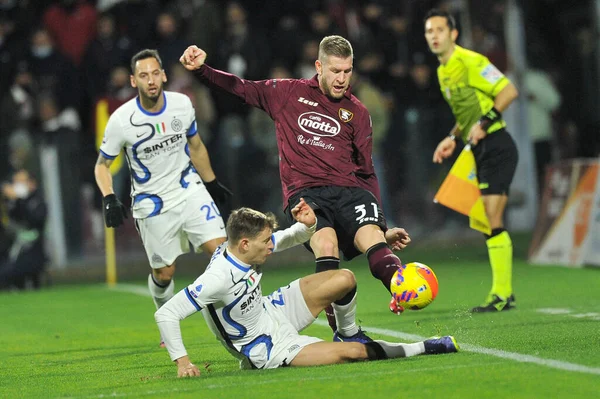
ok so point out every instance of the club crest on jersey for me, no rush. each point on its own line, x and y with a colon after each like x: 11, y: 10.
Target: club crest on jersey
x: 345, y: 115
x: 176, y: 125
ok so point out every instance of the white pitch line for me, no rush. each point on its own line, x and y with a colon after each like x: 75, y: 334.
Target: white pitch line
x: 556, y: 364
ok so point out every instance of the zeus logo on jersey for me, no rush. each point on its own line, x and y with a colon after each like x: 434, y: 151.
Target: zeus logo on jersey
x: 318, y: 124
x: 307, y: 102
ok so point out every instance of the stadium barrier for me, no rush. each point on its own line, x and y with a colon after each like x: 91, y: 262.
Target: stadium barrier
x: 567, y: 231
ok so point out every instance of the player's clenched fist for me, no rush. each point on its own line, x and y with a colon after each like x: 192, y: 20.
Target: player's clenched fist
x: 193, y: 58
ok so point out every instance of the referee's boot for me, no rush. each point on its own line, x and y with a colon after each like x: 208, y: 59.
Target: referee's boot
x: 496, y: 304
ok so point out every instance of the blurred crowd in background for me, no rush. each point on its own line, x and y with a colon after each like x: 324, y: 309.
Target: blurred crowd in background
x: 65, y: 67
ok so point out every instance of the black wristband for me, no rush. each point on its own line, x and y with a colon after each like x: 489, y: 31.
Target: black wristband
x: 211, y: 184
x: 487, y: 120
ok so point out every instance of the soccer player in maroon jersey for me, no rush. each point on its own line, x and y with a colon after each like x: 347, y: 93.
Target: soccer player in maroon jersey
x: 325, y: 140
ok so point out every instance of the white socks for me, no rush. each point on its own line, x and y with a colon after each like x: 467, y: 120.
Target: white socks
x: 160, y: 295
x: 393, y: 350
x: 345, y: 316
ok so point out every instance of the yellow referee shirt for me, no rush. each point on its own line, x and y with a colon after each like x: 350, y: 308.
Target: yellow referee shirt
x: 469, y: 82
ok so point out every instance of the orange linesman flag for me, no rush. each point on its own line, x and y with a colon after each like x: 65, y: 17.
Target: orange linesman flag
x: 460, y: 191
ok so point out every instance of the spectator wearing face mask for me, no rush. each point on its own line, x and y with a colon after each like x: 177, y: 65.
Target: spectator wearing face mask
x: 26, y: 214
x: 54, y: 74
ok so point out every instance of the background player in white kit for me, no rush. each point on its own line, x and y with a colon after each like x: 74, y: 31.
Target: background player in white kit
x: 262, y: 332
x: 168, y: 162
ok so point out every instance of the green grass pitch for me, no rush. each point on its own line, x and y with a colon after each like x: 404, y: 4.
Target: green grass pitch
x: 89, y: 341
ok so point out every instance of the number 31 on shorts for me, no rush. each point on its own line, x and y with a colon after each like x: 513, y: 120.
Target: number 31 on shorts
x: 362, y: 211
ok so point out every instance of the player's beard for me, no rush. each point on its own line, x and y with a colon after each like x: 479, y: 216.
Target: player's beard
x: 329, y: 90
x: 153, y: 97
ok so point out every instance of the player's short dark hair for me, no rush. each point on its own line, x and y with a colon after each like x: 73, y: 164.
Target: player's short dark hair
x: 248, y: 223
x: 336, y: 46
x: 142, y: 55
x: 439, y: 13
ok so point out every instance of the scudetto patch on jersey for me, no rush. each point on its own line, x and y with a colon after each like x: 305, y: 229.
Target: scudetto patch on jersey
x: 491, y: 74
x: 345, y: 115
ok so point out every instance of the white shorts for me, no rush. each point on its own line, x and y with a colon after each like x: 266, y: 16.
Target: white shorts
x: 168, y: 235
x: 288, y: 308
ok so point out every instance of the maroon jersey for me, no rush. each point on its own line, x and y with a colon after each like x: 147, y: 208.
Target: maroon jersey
x: 322, y: 141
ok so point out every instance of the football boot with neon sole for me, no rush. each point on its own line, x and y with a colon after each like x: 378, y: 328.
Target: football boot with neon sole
x: 436, y: 345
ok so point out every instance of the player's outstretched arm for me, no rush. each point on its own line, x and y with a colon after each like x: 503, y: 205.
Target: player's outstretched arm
x: 269, y: 95
x: 168, y: 319
x: 299, y: 232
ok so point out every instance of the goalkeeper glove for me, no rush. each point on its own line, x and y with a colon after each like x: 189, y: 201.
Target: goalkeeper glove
x: 219, y: 193
x: 114, y: 211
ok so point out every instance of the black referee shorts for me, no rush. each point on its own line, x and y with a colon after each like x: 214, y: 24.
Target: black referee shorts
x: 345, y: 209
x: 496, y: 157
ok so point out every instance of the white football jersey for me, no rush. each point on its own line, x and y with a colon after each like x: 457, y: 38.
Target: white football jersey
x: 155, y: 145
x: 230, y: 297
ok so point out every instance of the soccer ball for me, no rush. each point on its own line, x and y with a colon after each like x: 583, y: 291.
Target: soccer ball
x: 414, y: 286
